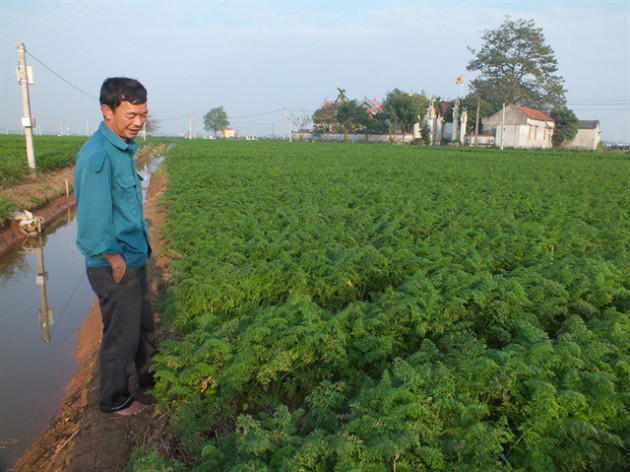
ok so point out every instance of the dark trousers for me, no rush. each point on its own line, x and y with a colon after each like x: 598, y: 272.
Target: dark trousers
x: 128, y: 328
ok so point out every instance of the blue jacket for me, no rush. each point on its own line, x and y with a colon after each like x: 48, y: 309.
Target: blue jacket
x: 108, y: 192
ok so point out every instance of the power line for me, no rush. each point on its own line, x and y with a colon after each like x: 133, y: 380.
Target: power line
x: 253, y: 116
x: 173, y: 118
x: 66, y: 81
x: 300, y: 109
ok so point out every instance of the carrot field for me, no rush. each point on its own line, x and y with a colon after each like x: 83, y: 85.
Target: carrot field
x: 347, y: 307
x: 51, y: 152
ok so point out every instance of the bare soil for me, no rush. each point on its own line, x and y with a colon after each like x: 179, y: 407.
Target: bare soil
x: 80, y: 437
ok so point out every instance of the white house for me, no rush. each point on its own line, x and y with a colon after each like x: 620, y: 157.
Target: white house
x: 523, y: 128
x: 587, y: 137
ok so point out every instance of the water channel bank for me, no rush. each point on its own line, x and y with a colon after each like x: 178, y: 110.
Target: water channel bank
x: 37, y: 383
x: 50, y: 190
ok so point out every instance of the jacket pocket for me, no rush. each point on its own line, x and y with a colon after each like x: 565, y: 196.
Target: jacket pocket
x: 125, y: 193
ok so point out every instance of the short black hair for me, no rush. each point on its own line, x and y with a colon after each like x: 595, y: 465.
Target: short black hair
x: 118, y: 89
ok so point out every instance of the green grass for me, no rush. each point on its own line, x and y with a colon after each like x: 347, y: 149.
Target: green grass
x: 351, y: 307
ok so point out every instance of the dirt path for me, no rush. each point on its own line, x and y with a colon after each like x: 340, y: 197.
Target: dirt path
x: 80, y: 438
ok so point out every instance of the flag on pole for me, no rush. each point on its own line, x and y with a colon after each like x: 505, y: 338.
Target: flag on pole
x: 459, y: 80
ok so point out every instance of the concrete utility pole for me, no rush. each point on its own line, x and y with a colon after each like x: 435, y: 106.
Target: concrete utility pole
x: 477, y: 122
x: 502, y: 125
x: 284, y: 125
x: 25, y: 76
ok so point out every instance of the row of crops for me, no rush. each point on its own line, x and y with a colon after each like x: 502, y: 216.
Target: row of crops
x: 341, y: 307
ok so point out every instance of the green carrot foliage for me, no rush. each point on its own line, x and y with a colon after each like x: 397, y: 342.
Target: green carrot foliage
x: 345, y: 307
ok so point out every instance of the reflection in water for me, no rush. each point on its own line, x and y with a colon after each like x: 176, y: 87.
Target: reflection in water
x: 45, y: 313
x: 36, y: 245
x: 32, y: 372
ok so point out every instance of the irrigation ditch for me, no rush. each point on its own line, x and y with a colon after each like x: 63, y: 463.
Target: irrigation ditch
x: 53, y: 355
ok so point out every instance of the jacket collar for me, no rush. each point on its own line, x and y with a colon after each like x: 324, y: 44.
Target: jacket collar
x: 117, y: 140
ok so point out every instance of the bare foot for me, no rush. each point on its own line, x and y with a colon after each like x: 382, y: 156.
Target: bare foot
x: 135, y: 408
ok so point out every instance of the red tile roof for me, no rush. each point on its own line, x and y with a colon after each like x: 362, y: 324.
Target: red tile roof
x: 535, y: 114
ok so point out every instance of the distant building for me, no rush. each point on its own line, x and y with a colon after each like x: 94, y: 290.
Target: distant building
x: 446, y: 122
x: 523, y: 128
x: 325, y: 118
x: 227, y: 133
x: 587, y: 137
x: 373, y: 107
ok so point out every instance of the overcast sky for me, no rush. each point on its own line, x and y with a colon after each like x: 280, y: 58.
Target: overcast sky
x: 257, y: 57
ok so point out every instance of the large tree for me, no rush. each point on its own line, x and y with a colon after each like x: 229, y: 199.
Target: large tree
x: 566, y: 126
x: 517, y: 66
x: 216, y: 120
x: 404, y: 109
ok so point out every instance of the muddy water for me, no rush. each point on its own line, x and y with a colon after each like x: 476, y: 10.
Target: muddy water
x: 44, y: 297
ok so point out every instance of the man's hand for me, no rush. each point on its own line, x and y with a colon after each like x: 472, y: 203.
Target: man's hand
x: 117, y: 264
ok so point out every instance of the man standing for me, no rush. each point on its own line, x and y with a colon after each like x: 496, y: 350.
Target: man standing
x: 113, y: 237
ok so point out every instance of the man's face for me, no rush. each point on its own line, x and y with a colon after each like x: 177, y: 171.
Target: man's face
x: 127, y: 120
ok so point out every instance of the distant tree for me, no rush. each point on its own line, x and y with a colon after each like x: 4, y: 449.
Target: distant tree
x: 152, y: 125
x: 352, y: 117
x: 517, y: 66
x: 347, y: 116
x: 425, y: 133
x: 377, y: 124
x: 325, y: 118
x: 341, y: 96
x: 566, y: 126
x: 216, y: 119
x: 404, y: 109
x: 302, y: 121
